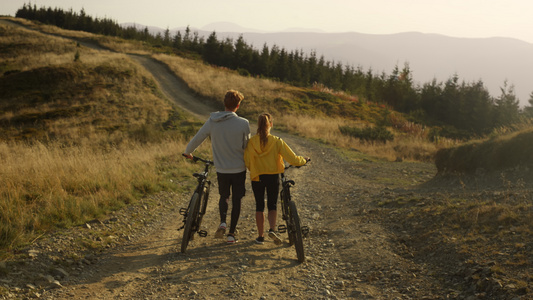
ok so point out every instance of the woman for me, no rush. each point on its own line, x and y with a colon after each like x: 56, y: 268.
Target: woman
x: 264, y: 156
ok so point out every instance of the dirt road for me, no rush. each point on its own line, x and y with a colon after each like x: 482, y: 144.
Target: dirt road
x: 349, y: 254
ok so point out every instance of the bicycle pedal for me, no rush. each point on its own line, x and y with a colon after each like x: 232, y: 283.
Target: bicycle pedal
x: 305, y: 231
x: 202, y: 233
x: 282, y: 228
x: 183, y: 211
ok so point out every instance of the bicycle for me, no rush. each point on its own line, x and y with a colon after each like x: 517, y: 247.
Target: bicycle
x: 193, y: 214
x: 289, y: 212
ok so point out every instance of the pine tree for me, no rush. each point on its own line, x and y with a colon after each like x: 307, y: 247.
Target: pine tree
x: 187, y: 41
x: 166, y: 37
x: 211, y: 47
x: 241, y: 54
x: 177, y: 41
x: 264, y: 61
x: 528, y: 110
x: 507, y: 108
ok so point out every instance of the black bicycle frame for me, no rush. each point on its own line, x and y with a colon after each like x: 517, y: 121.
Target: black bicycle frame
x: 202, y: 189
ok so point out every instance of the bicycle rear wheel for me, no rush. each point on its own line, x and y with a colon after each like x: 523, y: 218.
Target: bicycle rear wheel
x: 192, y: 215
x: 296, y: 231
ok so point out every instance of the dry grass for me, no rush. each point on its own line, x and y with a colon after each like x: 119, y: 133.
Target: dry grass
x: 77, y: 139
x: 49, y: 28
x: 260, y: 95
x: 50, y: 185
x: 123, y: 46
x: 28, y: 50
x: 479, y: 226
x: 404, y: 147
x: 57, y: 97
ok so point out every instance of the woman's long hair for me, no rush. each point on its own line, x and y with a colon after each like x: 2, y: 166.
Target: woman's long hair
x: 264, y: 122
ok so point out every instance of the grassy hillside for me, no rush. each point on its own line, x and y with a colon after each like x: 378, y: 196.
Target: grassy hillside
x: 81, y: 133
x: 316, y: 112
x: 54, y: 89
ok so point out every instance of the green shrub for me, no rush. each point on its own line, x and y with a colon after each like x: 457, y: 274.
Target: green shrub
x: 368, y: 134
x: 243, y: 72
x: 492, y: 154
x: 448, y: 132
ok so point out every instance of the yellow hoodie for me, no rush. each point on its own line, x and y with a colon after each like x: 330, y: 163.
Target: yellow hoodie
x: 270, y: 159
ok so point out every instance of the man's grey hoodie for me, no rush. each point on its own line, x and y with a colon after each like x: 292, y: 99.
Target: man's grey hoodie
x: 229, y: 135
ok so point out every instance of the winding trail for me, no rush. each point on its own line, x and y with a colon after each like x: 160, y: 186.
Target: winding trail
x: 173, y: 87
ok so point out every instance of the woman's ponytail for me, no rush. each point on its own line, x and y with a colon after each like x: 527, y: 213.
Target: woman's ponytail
x: 264, y: 122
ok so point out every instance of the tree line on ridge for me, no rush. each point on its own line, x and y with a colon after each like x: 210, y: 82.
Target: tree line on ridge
x: 460, y: 109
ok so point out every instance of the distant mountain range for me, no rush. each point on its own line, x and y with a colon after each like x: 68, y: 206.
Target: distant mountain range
x: 493, y: 60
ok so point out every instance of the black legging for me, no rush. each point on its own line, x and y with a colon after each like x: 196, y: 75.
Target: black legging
x: 270, y: 183
x: 231, y: 184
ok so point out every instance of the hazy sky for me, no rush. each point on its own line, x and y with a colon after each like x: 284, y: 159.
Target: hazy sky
x: 457, y: 18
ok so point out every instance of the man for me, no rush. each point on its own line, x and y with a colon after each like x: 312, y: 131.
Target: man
x: 229, y: 135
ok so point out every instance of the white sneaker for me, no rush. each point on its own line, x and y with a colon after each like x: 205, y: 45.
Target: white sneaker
x: 231, y: 239
x: 274, y: 236
x: 220, y: 231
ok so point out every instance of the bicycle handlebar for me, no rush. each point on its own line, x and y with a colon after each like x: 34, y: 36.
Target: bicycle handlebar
x: 196, y: 158
x: 291, y: 166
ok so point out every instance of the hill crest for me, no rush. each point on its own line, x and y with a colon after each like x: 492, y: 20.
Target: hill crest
x: 430, y: 56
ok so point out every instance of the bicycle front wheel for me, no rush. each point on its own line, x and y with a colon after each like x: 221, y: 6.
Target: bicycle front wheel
x: 202, y: 206
x: 296, y: 232
x: 285, y: 199
x: 192, y: 215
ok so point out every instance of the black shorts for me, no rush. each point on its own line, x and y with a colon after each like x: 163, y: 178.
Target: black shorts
x: 231, y: 184
x: 270, y: 184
